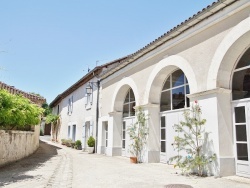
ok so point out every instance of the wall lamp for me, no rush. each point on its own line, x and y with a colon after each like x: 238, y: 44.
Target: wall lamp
x: 89, y: 87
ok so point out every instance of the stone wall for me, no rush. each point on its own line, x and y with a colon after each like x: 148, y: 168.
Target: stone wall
x: 15, y: 145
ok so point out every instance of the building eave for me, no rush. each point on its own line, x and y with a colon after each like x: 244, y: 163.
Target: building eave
x: 173, y: 33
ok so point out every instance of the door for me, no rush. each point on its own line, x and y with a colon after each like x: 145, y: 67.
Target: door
x: 241, y: 136
x: 74, y: 133
x: 167, y: 134
x: 69, y: 132
x: 125, y: 139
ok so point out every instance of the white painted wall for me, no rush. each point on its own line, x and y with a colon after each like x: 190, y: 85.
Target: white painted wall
x: 80, y: 114
x: 202, y: 53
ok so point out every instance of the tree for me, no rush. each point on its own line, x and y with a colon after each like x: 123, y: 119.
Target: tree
x: 47, y: 109
x: 17, y: 112
x: 55, y: 125
x: 138, y: 133
x: 190, y: 139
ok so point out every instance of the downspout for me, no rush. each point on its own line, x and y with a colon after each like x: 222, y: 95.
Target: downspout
x: 97, y: 113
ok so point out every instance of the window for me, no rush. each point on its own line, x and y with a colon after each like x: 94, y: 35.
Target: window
x: 106, y: 135
x: 241, y: 78
x: 163, y: 134
x: 174, y: 92
x: 129, y: 103
x: 124, y: 135
x: 70, y: 105
x: 241, y: 133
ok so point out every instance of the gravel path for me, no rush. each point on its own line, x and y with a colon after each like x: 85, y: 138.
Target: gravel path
x: 42, y: 169
x: 53, y: 165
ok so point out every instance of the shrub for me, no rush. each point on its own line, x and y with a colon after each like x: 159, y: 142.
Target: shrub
x: 191, y: 140
x: 138, y: 133
x: 17, y: 112
x: 91, y: 141
x: 63, y: 141
x: 78, y: 143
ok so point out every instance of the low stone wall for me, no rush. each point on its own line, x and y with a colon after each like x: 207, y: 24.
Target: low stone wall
x: 15, y: 145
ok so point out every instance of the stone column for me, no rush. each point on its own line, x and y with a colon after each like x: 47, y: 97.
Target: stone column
x: 152, y: 154
x: 216, y: 109
x: 114, y: 134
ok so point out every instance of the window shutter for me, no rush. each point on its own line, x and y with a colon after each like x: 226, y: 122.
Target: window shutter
x: 91, y: 98
x: 91, y: 128
x: 83, y: 135
x: 71, y: 105
x: 86, y: 99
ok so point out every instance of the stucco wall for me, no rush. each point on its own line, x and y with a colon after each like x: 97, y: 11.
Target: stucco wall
x: 80, y: 112
x: 15, y: 145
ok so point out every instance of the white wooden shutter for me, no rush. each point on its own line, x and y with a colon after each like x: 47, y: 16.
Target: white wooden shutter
x: 83, y: 135
x: 86, y: 100
x: 91, y: 128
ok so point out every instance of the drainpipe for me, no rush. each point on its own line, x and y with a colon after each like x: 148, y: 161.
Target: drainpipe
x: 97, y: 113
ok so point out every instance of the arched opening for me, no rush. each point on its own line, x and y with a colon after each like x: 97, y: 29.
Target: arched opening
x: 241, y: 116
x: 172, y: 103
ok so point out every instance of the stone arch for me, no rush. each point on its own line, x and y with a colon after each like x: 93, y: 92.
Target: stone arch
x: 160, y: 73
x: 227, y: 54
x: 120, y: 94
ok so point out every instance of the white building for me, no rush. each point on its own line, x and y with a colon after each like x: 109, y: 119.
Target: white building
x: 78, y: 109
x: 205, y: 58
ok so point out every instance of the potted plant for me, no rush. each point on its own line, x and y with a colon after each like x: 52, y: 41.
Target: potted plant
x: 73, y: 144
x: 68, y: 143
x: 91, y: 144
x: 138, y: 133
x: 63, y: 141
x: 78, y: 144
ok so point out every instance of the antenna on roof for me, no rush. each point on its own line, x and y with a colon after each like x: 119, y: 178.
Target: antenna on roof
x: 96, y: 62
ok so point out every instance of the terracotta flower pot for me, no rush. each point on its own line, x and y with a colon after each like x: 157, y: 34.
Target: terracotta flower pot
x: 133, y: 159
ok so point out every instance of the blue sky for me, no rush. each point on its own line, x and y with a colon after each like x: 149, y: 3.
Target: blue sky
x: 47, y: 45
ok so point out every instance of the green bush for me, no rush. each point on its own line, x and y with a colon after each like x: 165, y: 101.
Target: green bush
x: 17, y: 112
x: 78, y: 143
x: 91, y: 141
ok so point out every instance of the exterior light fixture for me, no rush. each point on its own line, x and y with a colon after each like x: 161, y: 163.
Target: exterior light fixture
x: 89, y: 89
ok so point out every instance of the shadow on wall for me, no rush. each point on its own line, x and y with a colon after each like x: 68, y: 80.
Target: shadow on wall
x: 17, y: 171
x: 208, y: 146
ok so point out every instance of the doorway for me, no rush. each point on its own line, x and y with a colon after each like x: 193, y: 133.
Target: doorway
x: 241, y: 120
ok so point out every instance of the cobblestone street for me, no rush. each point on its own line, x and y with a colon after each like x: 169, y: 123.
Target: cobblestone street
x: 54, y: 165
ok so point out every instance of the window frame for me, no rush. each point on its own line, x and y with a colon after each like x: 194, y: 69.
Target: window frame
x: 171, y: 88
x: 129, y: 103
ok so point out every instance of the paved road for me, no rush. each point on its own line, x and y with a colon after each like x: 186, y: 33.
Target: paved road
x: 57, y: 166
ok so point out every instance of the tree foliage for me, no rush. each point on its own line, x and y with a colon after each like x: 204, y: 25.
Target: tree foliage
x: 138, y: 133
x: 17, y: 112
x: 51, y: 118
x: 190, y: 139
x: 47, y: 109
